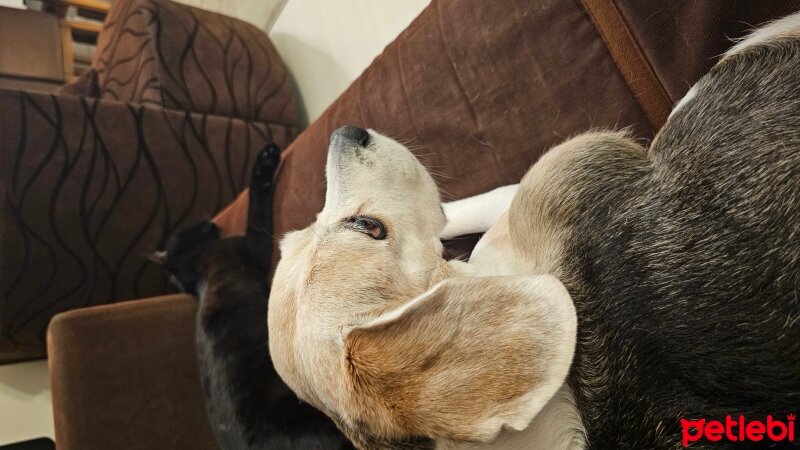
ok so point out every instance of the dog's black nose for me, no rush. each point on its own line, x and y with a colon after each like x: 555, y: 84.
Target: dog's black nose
x: 351, y: 134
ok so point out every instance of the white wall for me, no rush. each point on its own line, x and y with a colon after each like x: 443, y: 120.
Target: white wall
x: 327, y: 43
x: 25, y: 409
x: 256, y: 12
x: 12, y: 3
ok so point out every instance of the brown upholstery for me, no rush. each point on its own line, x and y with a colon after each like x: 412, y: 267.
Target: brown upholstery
x: 163, y: 53
x: 479, y: 89
x: 480, y: 102
x: 153, y: 402
x: 630, y: 60
x: 31, y: 56
x: 683, y: 39
x: 89, y: 187
x: 86, y: 85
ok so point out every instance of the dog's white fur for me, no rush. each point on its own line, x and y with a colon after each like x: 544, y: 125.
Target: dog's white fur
x: 558, y: 426
x: 477, y: 214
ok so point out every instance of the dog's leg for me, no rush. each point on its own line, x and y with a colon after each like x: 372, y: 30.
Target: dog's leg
x: 476, y: 214
x: 258, y: 238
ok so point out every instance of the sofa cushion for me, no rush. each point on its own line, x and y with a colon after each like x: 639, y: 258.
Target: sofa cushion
x: 31, y: 46
x: 164, y: 53
x: 89, y: 187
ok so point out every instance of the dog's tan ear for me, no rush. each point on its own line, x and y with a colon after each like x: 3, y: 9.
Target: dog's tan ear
x: 465, y: 359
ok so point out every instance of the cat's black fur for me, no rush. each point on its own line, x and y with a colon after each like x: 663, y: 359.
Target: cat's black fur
x: 248, y: 405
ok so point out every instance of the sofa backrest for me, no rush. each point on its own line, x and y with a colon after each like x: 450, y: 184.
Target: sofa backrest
x: 168, y: 54
x: 479, y: 90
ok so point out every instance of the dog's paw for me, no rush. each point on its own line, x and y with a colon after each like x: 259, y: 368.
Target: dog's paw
x: 264, y: 168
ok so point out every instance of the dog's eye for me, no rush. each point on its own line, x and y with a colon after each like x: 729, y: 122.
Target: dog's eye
x: 367, y: 225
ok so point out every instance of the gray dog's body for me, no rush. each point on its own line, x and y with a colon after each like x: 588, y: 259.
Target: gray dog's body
x: 685, y: 267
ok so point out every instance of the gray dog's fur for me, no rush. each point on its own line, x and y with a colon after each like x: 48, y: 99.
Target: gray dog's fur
x: 685, y: 267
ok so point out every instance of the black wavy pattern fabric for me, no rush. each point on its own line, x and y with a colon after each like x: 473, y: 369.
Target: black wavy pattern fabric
x: 89, y: 187
x: 167, y: 54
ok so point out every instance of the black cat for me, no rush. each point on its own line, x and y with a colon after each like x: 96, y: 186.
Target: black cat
x: 248, y: 404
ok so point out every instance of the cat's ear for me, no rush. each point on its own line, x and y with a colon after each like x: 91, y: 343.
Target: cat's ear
x: 159, y: 257
x: 467, y: 358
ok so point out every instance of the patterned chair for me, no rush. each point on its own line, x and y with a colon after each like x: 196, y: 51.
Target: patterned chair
x: 160, y: 134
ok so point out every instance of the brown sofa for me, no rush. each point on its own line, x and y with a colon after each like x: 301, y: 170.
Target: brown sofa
x: 480, y: 90
x: 31, y: 53
x: 160, y: 134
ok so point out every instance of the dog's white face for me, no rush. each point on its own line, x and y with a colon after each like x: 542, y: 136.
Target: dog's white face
x: 362, y: 326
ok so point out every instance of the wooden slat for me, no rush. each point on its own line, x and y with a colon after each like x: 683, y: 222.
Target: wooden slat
x: 85, y: 32
x: 93, y: 5
x: 86, y: 27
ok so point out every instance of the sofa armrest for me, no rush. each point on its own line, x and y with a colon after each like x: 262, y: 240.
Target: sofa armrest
x: 124, y: 376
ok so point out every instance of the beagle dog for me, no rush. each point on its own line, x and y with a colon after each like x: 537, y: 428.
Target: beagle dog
x: 617, y: 291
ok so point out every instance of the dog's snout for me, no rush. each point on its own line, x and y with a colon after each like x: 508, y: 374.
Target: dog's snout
x: 351, y: 135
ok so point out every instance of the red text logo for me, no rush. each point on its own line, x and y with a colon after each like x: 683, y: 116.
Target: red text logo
x: 738, y: 429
